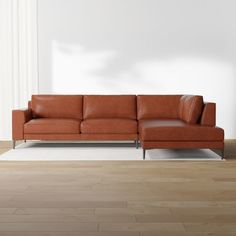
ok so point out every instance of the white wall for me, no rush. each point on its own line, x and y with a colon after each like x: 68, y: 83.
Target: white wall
x: 141, y: 46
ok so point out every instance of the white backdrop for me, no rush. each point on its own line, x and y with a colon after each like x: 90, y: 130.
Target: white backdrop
x: 141, y: 46
x: 118, y: 46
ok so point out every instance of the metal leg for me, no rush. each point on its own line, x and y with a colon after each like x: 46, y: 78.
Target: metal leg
x: 144, y: 153
x: 13, y: 144
x: 25, y: 140
x: 222, y: 154
x: 136, y: 144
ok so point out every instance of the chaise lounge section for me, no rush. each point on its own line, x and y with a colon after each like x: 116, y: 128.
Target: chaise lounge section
x: 178, y: 122
x: 157, y: 121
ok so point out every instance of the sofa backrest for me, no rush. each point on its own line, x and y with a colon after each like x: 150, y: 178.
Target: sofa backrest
x: 109, y: 106
x: 190, y: 108
x: 57, y: 106
x: 158, y: 106
x: 186, y: 107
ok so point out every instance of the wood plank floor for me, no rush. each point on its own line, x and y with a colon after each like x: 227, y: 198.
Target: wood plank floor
x: 101, y: 198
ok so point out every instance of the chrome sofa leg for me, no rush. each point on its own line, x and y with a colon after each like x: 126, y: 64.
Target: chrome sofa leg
x: 144, y: 154
x: 13, y: 144
x: 136, y: 144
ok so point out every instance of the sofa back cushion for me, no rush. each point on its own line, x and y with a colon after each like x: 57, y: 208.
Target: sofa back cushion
x: 57, y: 106
x: 109, y: 106
x: 190, y: 108
x: 158, y: 106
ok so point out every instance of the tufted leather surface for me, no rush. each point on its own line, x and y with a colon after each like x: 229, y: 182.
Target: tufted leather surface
x: 158, y: 106
x: 177, y: 130
x: 109, y: 106
x: 109, y: 126
x: 52, y: 126
x: 57, y: 106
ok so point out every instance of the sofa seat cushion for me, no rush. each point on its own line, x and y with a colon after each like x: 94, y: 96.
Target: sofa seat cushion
x: 177, y: 130
x: 109, y: 126
x: 52, y: 126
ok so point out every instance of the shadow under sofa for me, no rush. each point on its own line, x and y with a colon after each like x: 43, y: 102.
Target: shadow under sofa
x: 156, y: 121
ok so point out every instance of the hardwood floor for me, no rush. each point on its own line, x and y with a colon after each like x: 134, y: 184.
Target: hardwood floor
x: 101, y: 198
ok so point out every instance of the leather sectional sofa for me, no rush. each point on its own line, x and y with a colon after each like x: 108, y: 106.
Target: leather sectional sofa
x: 157, y: 121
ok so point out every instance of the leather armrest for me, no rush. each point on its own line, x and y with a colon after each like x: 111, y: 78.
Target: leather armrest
x: 209, y: 114
x: 19, y: 118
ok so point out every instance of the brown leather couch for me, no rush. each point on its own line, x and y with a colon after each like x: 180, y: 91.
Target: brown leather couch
x: 157, y: 121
